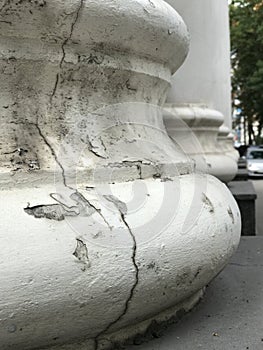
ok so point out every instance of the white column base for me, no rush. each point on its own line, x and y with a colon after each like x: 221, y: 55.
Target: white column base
x: 194, y: 128
x: 104, y: 222
x: 226, y: 142
x: 80, y: 278
x: 153, y: 324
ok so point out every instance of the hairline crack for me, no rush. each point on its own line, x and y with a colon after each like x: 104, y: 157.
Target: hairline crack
x: 63, y: 46
x: 64, y: 176
x: 131, y: 294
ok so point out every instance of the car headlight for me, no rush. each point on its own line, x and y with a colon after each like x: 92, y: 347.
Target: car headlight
x: 250, y: 166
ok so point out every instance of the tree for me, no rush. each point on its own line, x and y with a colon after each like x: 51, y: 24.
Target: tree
x: 246, y: 23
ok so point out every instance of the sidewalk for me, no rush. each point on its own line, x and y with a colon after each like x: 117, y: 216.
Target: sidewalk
x: 231, y: 314
x: 258, y: 184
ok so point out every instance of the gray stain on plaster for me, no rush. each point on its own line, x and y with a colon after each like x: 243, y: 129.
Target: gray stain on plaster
x: 230, y: 213
x: 22, y: 159
x: 12, y: 328
x: 208, y: 203
x: 81, y: 253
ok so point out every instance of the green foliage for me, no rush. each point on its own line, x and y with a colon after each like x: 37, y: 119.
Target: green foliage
x: 246, y: 22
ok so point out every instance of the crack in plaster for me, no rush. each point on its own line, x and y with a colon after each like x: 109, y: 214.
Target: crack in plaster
x: 55, y: 87
x: 122, y: 208
x: 138, y: 164
x: 51, y: 150
x: 95, y: 208
x: 129, y: 163
x: 71, y: 33
x: 91, y: 148
x: 76, y: 192
x: 63, y: 46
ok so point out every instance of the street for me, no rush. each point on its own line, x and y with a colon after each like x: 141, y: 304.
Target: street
x: 258, y: 184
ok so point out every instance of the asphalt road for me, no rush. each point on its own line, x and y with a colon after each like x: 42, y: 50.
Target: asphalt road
x: 258, y: 184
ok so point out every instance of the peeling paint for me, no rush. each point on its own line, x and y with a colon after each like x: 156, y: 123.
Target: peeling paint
x: 60, y: 211
x: 81, y: 253
x: 52, y: 212
x: 93, y: 150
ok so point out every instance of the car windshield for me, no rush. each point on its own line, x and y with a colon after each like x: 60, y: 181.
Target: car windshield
x: 255, y: 155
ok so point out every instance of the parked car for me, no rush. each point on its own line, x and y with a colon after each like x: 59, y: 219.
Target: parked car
x: 255, y: 161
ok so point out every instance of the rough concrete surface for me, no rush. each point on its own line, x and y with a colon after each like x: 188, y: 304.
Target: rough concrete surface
x: 231, y: 313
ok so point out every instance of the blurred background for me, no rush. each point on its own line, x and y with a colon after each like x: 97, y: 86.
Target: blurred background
x: 246, y: 28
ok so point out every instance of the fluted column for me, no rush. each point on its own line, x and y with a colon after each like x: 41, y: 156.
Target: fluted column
x: 205, y: 79
x: 104, y: 221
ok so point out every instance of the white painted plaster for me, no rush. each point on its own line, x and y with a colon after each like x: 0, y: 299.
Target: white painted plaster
x: 103, y: 220
x: 205, y: 76
x: 226, y: 142
x: 204, y: 79
x: 195, y: 129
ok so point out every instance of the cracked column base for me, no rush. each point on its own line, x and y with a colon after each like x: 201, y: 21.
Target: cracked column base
x: 64, y: 281
x: 148, y: 329
x: 104, y: 222
x: 141, y: 332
